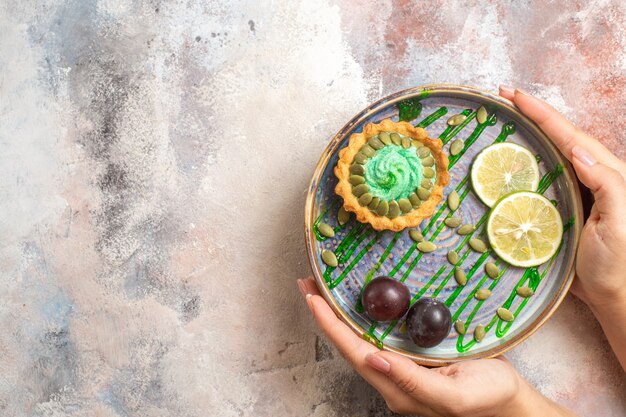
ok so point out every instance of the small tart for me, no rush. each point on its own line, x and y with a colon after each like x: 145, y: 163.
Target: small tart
x: 386, y: 177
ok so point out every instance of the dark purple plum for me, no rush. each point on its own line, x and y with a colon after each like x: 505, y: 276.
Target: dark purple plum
x: 385, y: 299
x: 428, y: 322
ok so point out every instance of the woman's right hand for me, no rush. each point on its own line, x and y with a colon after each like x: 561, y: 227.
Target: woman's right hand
x: 601, y: 259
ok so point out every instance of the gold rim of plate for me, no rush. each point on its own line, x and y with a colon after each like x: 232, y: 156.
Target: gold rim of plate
x: 475, y: 95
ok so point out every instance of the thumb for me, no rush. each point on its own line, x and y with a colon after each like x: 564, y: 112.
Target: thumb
x: 606, y: 184
x: 427, y: 386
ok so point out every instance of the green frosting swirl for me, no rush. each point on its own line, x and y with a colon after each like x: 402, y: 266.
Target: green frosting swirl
x: 393, y: 173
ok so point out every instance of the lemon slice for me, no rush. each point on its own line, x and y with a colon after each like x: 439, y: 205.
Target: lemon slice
x: 504, y: 168
x: 525, y: 229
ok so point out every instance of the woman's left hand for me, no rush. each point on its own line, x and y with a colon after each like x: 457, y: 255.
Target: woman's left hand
x: 486, y: 387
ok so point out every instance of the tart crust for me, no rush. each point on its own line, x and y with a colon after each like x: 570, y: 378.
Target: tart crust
x: 415, y: 216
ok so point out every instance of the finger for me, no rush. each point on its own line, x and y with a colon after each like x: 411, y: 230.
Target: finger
x: 503, y: 359
x: 507, y: 92
x: 355, y: 349
x: 607, y: 185
x: 562, y: 133
x: 307, y: 286
x: 430, y: 388
x: 349, y: 344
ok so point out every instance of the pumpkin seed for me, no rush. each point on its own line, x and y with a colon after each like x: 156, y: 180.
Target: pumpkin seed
x: 457, y: 119
x: 405, y: 205
x: 478, y: 245
x: 343, y: 216
x: 426, y: 246
x: 492, y: 270
x: 479, y: 333
x: 481, y: 115
x: 394, y: 209
x: 384, y: 138
x: 505, y: 314
x: 453, y: 257
x: 365, y: 199
x: 453, y: 201
x: 459, y: 326
x: 376, y: 143
x: 466, y: 229
x: 460, y: 276
x: 357, y: 169
x: 396, y: 139
x: 426, y: 183
x: 329, y: 258
x: 423, y: 152
x: 524, y: 292
x: 423, y: 194
x: 325, y: 230
x: 402, y: 328
x: 429, y: 172
x: 360, y: 158
x: 416, y: 235
x: 415, y: 200
x: 429, y: 161
x: 456, y: 147
x: 453, y: 221
x: 360, y: 189
x: 416, y: 143
x: 356, y: 179
x: 406, y: 143
x: 383, y: 208
x: 482, y: 294
x: 374, y: 204
x: 368, y: 151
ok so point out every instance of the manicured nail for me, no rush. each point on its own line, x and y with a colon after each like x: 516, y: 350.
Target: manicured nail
x: 378, y: 363
x: 506, y: 89
x: 520, y: 91
x: 583, y: 156
x: 309, y: 302
x: 302, y: 287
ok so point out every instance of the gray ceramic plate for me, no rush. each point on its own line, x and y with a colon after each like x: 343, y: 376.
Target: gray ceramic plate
x: 364, y: 253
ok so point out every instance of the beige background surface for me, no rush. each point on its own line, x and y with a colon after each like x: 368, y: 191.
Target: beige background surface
x: 154, y: 162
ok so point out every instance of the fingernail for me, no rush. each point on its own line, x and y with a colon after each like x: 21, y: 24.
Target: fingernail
x: 519, y: 90
x: 378, y: 363
x: 583, y: 156
x: 309, y: 302
x: 302, y: 287
x: 506, y: 89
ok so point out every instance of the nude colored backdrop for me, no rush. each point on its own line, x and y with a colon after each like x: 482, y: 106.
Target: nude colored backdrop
x: 154, y: 157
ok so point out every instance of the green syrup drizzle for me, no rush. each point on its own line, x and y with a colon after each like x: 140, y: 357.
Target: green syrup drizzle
x: 409, y: 109
x: 433, y: 117
x: 349, y: 239
x: 356, y: 259
x: 451, y: 131
x: 547, y: 179
x: 332, y: 207
x: 371, y: 272
x: 353, y: 245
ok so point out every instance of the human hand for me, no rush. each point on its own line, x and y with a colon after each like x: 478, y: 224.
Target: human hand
x: 601, y: 257
x: 486, y: 387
